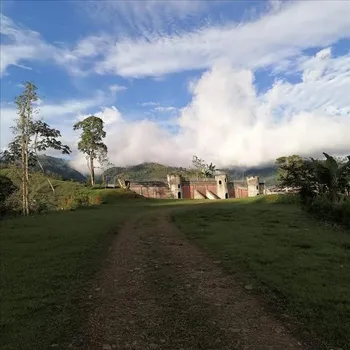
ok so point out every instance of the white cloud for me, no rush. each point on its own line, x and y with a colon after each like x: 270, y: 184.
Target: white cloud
x: 267, y: 40
x: 25, y: 45
x: 165, y: 109
x: 145, y: 15
x: 227, y: 122
x: 60, y: 115
x: 271, y: 39
x: 20, y: 45
x: 150, y: 103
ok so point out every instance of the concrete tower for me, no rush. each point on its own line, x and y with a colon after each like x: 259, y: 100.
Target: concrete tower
x: 221, y: 186
x: 253, y: 186
x: 175, y: 185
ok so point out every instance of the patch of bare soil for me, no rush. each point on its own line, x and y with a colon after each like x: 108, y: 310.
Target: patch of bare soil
x: 158, y: 291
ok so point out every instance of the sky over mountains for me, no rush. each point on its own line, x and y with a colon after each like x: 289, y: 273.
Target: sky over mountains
x: 236, y: 83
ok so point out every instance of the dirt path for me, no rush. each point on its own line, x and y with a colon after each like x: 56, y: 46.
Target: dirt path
x: 158, y: 291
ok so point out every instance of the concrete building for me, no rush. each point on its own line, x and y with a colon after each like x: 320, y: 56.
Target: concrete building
x: 218, y: 187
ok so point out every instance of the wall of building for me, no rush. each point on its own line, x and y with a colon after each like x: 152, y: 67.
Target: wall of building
x: 151, y: 190
x: 222, y: 186
x: 253, y: 186
x: 177, y: 187
x: 189, y: 187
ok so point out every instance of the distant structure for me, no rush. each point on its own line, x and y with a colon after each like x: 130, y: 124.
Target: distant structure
x: 218, y: 187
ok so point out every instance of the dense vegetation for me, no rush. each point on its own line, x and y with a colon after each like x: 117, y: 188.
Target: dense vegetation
x: 67, y: 195
x: 323, y: 185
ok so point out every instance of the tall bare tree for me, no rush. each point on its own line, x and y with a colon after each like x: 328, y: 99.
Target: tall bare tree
x: 26, y: 111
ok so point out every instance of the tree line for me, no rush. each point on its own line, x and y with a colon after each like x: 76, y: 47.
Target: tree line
x: 33, y: 135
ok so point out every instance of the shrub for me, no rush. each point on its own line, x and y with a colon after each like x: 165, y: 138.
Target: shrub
x: 7, y: 187
x: 323, y: 208
x: 95, y: 199
x: 80, y: 198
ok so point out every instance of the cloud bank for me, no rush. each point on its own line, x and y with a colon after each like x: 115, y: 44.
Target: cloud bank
x: 227, y: 122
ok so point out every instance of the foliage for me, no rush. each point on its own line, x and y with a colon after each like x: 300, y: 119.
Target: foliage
x: 7, y: 187
x: 91, y: 142
x: 333, y: 179
x: 203, y: 169
x: 30, y: 137
x: 323, y: 185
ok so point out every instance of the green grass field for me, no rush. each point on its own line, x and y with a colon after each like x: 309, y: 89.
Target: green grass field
x: 47, y: 260
x: 300, y: 264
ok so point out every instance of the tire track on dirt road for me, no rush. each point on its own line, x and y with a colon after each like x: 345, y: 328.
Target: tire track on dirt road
x: 159, y: 291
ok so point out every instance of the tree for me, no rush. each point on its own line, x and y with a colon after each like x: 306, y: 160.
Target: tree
x: 31, y: 136
x: 333, y: 177
x: 202, y: 169
x: 329, y: 178
x: 297, y: 173
x: 91, y: 142
x: 105, y: 164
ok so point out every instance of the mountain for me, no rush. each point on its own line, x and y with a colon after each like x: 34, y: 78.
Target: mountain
x: 158, y: 172
x: 58, y: 166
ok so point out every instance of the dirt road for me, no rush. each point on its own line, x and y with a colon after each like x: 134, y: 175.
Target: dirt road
x: 159, y: 291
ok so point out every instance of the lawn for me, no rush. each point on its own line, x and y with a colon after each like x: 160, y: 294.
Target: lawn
x: 302, y: 265
x: 46, y: 261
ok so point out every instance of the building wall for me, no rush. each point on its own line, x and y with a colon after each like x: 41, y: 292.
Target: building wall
x: 253, y: 186
x: 176, y: 184
x: 151, y: 191
x: 222, y: 186
x: 188, y: 188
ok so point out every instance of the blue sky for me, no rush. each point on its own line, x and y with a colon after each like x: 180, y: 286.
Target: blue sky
x: 234, y: 82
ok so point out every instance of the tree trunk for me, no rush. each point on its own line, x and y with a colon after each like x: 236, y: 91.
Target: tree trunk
x: 92, y: 171
x: 23, y: 176
x: 40, y: 165
x: 26, y: 171
x: 24, y: 165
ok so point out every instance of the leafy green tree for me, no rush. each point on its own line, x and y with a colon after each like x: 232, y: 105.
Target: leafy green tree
x: 91, y: 143
x: 30, y: 137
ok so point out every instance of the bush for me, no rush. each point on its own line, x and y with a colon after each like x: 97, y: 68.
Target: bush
x: 7, y: 187
x: 81, y: 198
x: 95, y: 199
x: 338, y: 212
x: 8, y: 194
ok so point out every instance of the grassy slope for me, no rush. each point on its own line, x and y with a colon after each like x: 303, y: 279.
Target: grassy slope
x: 304, y: 263
x: 45, y: 261
x: 40, y: 185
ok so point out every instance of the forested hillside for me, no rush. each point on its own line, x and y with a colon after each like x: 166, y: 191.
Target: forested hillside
x: 155, y: 171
